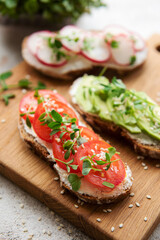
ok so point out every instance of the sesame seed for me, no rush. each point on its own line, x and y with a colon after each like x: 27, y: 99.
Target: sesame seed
x: 0, y: 197
x: 57, y: 219
x: 130, y: 206
x: 49, y: 233
x: 112, y: 229
x: 98, y: 220
x: 137, y: 204
x: 140, y: 157
x: 52, y: 213
x: 24, y: 90
x: 23, y: 222
x: 146, y: 168
x: 109, y: 210
x: 21, y: 205
x: 157, y: 165
x: 82, y: 203
x: 61, y: 225
x: 145, y: 219
x: 76, y: 206
x: 44, y: 231
x: 131, y: 194
x: 29, y: 238
x: 39, y: 219
x: 62, y: 192
x: 105, y: 210
x: 121, y: 225
x: 148, y: 197
x: 143, y: 164
x: 3, y: 120
x: 55, y: 91
x: 31, y: 235
x: 25, y: 230
x: 78, y: 201
x: 59, y: 228
x: 56, y: 178
x: 69, y: 231
x: 27, y: 76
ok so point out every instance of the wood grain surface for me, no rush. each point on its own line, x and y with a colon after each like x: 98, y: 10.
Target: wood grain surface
x: 23, y: 167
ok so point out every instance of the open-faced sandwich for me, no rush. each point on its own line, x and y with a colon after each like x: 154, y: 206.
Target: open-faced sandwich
x: 87, y: 166
x: 73, y: 51
x: 111, y: 106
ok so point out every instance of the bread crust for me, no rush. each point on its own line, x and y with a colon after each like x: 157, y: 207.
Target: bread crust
x: 101, y: 125
x: 44, y: 154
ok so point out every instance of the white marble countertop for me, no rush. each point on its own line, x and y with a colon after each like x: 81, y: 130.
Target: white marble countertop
x: 20, y: 214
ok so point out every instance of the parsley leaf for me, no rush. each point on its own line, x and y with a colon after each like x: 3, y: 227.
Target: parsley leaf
x: 6, y: 98
x: 75, y: 181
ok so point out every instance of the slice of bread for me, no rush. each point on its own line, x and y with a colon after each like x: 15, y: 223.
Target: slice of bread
x: 148, y: 150
x: 93, y: 194
x: 77, y: 66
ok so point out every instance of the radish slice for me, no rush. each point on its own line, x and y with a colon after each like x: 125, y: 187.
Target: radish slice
x: 122, y: 50
x: 46, y: 56
x: 138, y: 42
x: 114, y: 30
x: 94, y: 48
x: 35, y: 40
x: 70, y: 37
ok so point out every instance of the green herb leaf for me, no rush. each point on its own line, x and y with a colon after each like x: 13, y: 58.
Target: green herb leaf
x: 118, y: 83
x: 72, y: 135
x: 24, y: 83
x: 5, y: 75
x: 56, y: 116
x: 42, y: 116
x: 75, y: 181
x: 54, y: 131
x: 6, y: 98
x: 54, y: 125
x: 28, y: 122
x: 74, y: 167
x: 40, y: 85
x: 114, y: 44
x: 22, y: 114
x: 132, y: 60
x: 100, y: 162
x: 86, y: 167
x: 67, y: 144
x: 67, y: 154
x: 61, y: 135
x: 68, y: 168
x: 107, y: 184
x: 36, y: 93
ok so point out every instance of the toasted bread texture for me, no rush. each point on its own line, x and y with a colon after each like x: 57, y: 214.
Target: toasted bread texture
x: 97, y: 197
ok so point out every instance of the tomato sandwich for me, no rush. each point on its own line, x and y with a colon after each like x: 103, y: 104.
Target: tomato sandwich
x: 87, y: 165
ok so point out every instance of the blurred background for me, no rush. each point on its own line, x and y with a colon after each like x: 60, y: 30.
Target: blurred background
x: 18, y: 210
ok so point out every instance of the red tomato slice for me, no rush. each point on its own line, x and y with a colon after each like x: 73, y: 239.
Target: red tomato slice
x: 115, y: 174
x: 29, y: 102
x: 59, y: 152
x: 88, y: 134
x: 44, y: 131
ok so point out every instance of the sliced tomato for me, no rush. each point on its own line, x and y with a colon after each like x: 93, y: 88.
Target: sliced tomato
x: 59, y: 152
x: 88, y: 134
x: 44, y: 131
x: 29, y: 103
x: 115, y: 174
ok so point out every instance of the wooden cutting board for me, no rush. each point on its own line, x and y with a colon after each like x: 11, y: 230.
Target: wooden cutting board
x: 28, y: 171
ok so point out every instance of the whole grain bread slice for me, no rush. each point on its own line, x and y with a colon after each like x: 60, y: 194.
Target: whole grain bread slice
x: 70, y: 75
x: 96, y: 122
x: 40, y: 150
